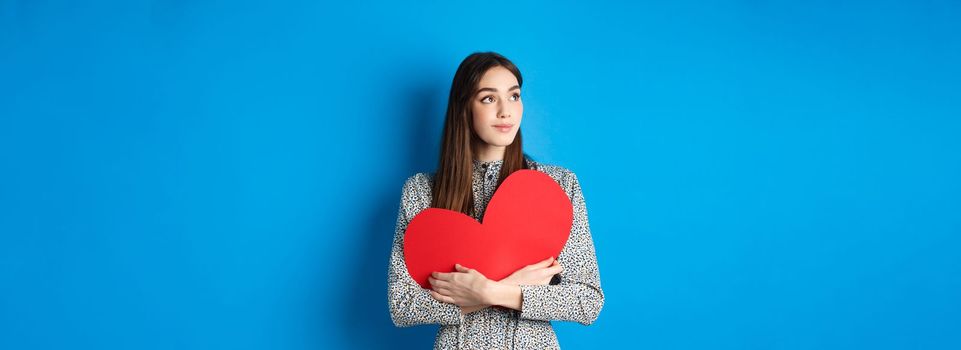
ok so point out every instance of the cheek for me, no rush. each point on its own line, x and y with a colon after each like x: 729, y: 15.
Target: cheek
x: 479, y: 118
x: 482, y: 113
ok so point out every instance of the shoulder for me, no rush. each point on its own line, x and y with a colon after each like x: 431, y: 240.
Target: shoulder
x: 564, y: 176
x: 418, y: 184
x: 418, y: 181
x: 417, y: 188
x: 416, y: 194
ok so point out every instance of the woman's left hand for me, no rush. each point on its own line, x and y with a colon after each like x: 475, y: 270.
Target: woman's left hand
x: 466, y: 287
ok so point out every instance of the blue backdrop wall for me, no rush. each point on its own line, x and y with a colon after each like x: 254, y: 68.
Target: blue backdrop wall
x: 226, y: 175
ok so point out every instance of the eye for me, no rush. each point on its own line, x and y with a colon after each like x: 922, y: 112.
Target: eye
x: 487, y: 99
x: 515, y: 97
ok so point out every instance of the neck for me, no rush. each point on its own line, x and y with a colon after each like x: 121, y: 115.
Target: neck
x: 487, y: 153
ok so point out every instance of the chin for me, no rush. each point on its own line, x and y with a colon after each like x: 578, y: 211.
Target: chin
x: 505, y: 142
x: 499, y: 140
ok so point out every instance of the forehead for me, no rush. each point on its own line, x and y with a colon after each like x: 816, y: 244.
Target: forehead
x: 499, y: 78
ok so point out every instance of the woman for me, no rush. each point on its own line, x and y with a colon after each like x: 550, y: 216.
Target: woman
x: 481, y: 146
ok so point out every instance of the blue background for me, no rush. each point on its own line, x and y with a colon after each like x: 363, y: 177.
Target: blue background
x: 226, y: 175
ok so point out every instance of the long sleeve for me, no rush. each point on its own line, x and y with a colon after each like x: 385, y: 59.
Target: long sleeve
x: 409, y: 303
x: 578, y: 297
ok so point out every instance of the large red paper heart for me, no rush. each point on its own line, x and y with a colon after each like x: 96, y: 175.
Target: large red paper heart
x: 527, y: 220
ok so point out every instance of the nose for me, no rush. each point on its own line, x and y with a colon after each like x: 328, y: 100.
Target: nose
x: 502, y: 111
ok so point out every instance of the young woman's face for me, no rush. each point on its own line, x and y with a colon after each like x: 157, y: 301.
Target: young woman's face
x: 497, y: 107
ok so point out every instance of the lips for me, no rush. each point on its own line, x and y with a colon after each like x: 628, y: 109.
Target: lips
x: 503, y: 127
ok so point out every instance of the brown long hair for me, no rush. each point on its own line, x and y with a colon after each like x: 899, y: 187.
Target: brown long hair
x: 452, y: 182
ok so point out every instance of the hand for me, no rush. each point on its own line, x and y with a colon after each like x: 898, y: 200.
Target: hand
x: 466, y: 287
x: 539, y: 273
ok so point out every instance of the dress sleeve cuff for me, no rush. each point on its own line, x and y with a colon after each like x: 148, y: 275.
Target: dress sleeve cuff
x: 533, y: 302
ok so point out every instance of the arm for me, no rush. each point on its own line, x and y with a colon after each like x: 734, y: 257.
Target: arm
x: 578, y: 297
x: 507, y: 292
x: 472, y: 291
x: 410, y: 304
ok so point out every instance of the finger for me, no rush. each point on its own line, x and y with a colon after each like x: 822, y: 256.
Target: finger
x: 462, y: 268
x: 444, y: 291
x: 442, y: 276
x: 438, y: 283
x: 442, y: 298
x: 471, y: 272
x: 553, y: 270
x: 542, y: 264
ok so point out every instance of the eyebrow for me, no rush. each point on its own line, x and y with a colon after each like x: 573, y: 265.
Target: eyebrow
x: 495, y: 90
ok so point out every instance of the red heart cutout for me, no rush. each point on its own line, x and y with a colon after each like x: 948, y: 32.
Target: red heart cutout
x: 528, y: 219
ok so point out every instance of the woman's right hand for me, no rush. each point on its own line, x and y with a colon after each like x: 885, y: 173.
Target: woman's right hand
x: 539, y: 273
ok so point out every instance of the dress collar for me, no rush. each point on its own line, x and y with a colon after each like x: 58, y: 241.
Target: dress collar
x: 483, y: 166
x: 499, y: 161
